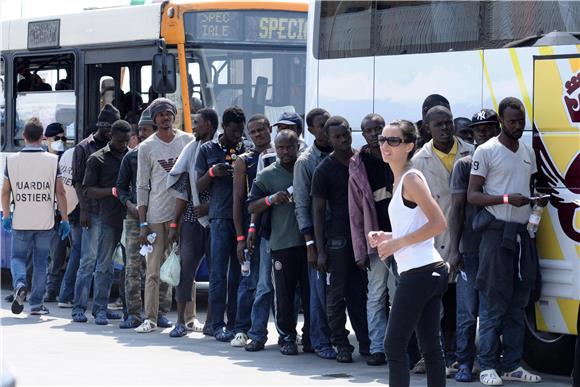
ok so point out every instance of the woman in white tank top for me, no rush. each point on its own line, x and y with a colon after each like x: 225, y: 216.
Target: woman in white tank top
x: 416, y: 219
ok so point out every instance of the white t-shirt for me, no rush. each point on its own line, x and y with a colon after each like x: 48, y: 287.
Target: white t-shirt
x: 505, y: 172
x: 65, y: 166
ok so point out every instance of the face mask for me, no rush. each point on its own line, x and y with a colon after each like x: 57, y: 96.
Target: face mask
x: 57, y: 146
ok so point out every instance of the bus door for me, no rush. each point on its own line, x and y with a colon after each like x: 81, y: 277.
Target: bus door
x: 556, y: 118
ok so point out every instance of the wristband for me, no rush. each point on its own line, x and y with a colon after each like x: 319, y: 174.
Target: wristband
x: 144, y: 224
x: 172, y: 225
x: 268, y: 200
x: 310, y: 243
x: 240, y: 238
x: 251, y: 229
x: 506, y: 199
x: 114, y: 191
x: 211, y: 172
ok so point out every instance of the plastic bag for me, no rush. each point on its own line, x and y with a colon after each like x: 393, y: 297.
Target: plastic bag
x: 170, y: 271
x: 119, y: 257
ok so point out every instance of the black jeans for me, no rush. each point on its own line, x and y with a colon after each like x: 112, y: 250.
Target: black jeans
x: 417, y: 306
x: 291, y: 270
x: 194, y: 243
x: 346, y: 291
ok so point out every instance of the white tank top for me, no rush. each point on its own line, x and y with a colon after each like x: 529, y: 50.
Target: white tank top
x: 405, y: 220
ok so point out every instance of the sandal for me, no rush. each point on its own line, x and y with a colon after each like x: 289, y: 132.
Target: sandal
x: 178, y: 331
x: 521, y: 375
x: 194, y: 325
x: 327, y: 354
x: 464, y: 374
x: 490, y: 378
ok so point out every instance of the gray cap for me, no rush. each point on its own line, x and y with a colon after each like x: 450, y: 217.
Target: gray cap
x: 146, y: 118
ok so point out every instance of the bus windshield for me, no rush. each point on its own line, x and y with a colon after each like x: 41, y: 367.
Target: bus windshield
x: 261, y: 81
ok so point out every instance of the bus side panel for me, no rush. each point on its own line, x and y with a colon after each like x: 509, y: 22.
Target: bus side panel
x: 557, y: 145
x: 402, y: 82
x: 311, y: 100
x: 346, y: 89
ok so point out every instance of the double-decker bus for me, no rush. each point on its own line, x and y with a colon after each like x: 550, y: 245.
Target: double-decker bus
x: 204, y: 53
x: 387, y: 56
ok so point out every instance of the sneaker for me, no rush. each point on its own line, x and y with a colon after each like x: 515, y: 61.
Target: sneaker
x: 490, y: 378
x: 377, y: 359
x: 419, y: 367
x: 39, y: 311
x: 101, y: 318
x: 521, y: 375
x: 130, y: 322
x: 146, y: 327
x: 79, y: 317
x: 344, y: 356
x: 18, y: 299
x: 163, y: 322
x: 116, y: 305
x: 114, y: 315
x: 240, y: 340
x: 194, y: 326
x: 179, y: 331
x: 224, y: 335
x: 65, y: 305
x: 289, y: 348
x: 254, y: 346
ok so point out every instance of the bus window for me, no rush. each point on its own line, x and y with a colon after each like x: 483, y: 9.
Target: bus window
x: 2, y: 105
x: 194, y: 83
x: 145, y: 83
x: 45, y: 89
x: 345, y: 29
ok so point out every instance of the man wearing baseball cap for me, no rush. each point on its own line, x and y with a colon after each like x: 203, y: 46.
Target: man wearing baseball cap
x: 464, y: 256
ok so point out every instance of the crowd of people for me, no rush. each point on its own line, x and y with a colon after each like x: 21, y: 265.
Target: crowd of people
x: 286, y: 228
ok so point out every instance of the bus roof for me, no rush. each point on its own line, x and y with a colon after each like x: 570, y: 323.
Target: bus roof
x: 93, y: 27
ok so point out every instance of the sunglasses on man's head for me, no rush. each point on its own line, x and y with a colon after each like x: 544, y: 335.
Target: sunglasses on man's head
x: 392, y: 141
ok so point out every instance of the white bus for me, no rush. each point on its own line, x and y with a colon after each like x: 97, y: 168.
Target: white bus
x: 387, y: 56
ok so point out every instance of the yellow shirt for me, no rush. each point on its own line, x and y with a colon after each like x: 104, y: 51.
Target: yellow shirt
x: 447, y: 158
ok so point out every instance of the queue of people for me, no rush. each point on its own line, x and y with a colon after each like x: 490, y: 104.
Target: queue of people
x: 287, y: 228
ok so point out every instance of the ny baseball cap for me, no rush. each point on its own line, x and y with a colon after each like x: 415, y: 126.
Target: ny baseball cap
x: 289, y: 118
x: 484, y: 116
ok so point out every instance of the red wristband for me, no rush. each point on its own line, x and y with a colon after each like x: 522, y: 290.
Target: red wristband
x: 114, y: 191
x: 251, y: 229
x: 211, y: 172
x: 506, y: 199
x: 240, y: 238
x: 172, y: 225
x: 268, y: 202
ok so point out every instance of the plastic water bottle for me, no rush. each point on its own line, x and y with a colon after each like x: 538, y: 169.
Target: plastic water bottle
x: 246, y: 270
x: 534, y: 220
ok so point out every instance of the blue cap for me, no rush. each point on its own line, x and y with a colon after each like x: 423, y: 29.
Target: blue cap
x: 290, y: 118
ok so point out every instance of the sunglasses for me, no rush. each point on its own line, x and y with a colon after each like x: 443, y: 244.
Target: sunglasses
x: 392, y: 141
x: 56, y: 138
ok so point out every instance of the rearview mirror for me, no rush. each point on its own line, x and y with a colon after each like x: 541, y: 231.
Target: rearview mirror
x: 163, y: 77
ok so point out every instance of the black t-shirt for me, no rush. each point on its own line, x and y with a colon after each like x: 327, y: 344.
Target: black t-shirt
x: 381, y: 181
x: 330, y: 182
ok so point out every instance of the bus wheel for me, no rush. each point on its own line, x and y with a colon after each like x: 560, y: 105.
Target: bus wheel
x: 552, y: 353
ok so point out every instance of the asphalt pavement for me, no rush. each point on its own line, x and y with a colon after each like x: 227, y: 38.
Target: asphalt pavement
x: 52, y: 350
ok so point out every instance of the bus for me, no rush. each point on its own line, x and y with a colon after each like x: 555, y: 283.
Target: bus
x: 387, y: 56
x: 199, y: 54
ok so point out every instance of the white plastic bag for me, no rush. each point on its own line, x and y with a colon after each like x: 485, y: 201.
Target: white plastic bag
x: 171, y: 269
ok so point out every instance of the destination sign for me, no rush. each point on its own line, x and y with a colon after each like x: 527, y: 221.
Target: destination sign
x: 246, y: 26
x: 44, y: 34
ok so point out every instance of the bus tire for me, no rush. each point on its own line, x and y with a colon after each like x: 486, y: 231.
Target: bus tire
x: 551, y: 353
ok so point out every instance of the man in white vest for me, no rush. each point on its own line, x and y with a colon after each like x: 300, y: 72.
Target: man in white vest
x: 32, y: 179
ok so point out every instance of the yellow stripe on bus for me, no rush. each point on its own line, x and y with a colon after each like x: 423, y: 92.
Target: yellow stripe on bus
x: 540, y: 322
x: 488, y: 80
x: 569, y: 310
x: 547, y: 242
x: 521, y: 82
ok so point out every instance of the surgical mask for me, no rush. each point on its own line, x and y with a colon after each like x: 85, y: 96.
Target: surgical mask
x: 57, y: 146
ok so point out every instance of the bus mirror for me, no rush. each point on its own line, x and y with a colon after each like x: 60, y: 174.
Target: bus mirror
x: 163, y: 77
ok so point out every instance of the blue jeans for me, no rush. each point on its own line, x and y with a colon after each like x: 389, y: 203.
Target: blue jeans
x: 57, y: 255
x: 319, y: 329
x: 67, y: 287
x: 109, y: 237
x: 24, y: 241
x: 264, y: 296
x: 247, y: 293
x: 467, y: 310
x: 377, y: 303
x: 88, y: 261
x: 224, y: 275
x: 506, y: 318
